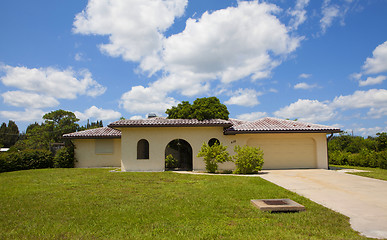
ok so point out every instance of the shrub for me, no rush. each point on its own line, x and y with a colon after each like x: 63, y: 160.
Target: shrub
x: 248, y: 159
x: 170, y: 162
x: 212, y: 155
x: 339, y: 157
x: 64, y: 158
x: 27, y: 159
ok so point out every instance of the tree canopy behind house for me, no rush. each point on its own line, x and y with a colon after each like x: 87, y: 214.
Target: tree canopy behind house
x: 8, y: 134
x: 201, y: 109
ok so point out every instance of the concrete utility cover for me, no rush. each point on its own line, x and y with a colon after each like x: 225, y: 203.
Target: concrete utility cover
x: 277, y: 205
x: 363, y: 200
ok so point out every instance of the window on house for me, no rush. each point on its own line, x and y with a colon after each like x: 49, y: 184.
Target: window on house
x: 104, y: 146
x: 143, y: 149
x: 213, y: 141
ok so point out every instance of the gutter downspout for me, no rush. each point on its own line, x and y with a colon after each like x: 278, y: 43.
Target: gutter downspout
x: 328, y: 139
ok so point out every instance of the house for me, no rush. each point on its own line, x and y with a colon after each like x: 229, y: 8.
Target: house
x: 142, y: 145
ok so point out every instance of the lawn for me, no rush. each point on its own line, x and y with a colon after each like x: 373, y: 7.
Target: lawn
x: 98, y: 204
x: 377, y: 173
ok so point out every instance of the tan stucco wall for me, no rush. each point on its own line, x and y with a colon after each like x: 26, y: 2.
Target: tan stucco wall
x: 86, y: 155
x: 296, y: 150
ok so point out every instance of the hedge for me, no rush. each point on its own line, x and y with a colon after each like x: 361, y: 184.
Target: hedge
x: 36, y: 158
x: 26, y: 159
x: 365, y: 158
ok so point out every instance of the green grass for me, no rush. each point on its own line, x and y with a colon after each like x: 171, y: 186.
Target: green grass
x: 98, y: 204
x: 377, y: 173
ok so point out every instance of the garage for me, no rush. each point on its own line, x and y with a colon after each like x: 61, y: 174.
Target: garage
x: 282, y: 153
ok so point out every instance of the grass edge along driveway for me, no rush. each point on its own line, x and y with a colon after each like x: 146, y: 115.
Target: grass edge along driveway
x: 98, y: 204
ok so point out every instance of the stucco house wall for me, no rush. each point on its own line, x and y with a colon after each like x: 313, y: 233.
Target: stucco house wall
x: 286, y: 144
x: 97, y: 153
x: 281, y: 151
x: 158, y: 138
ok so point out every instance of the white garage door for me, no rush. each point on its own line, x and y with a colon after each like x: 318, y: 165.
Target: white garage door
x: 287, y: 153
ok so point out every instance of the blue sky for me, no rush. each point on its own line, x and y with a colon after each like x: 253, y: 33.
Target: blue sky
x: 318, y: 61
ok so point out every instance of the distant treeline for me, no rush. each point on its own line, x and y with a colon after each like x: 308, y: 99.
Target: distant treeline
x: 358, y: 151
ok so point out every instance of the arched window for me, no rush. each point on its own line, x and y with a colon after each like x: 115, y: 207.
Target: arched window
x: 213, y: 141
x: 143, y: 149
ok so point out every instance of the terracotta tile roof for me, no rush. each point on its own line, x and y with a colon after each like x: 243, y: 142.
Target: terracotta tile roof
x: 232, y: 126
x: 273, y: 125
x: 103, y: 132
x: 164, y: 122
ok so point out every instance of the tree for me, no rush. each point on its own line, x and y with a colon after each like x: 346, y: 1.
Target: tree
x: 212, y: 155
x: 201, y: 109
x: 60, y: 122
x: 9, y: 134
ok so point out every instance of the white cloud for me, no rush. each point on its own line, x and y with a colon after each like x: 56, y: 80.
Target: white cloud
x: 244, y: 97
x: 307, y: 110
x: 98, y: 114
x: 65, y: 84
x: 329, y: 12
x: 378, y: 62
x: 373, y: 98
x: 135, y: 28
x: 80, y: 57
x: 251, y: 116
x: 377, y: 112
x: 28, y: 100
x: 305, y: 75
x: 298, y: 13
x: 146, y: 100
x: 230, y: 44
x: 136, y: 117
x: 28, y: 115
x: 365, y: 132
x: 372, y: 80
x: 305, y: 86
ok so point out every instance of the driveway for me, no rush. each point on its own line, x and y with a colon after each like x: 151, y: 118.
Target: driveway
x: 363, y: 200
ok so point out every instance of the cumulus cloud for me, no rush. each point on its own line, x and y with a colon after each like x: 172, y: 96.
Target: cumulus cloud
x: 230, y: 44
x: 246, y: 41
x: 65, y: 84
x: 42, y: 87
x: 135, y: 28
x: 27, y: 115
x: 373, y: 98
x: 98, y: 114
x: 251, y: 116
x: 28, y: 100
x: 372, y: 80
x: 305, y: 86
x: 378, y: 62
x: 371, y: 131
x: 244, y: 97
x: 145, y: 100
x: 308, y: 111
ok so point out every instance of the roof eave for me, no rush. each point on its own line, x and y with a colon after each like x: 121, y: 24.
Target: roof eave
x: 91, y: 137
x: 234, y: 132
x: 168, y: 125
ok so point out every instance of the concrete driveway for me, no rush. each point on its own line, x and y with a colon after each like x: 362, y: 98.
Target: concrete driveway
x: 362, y: 199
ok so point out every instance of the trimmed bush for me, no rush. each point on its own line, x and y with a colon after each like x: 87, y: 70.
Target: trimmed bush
x: 27, y: 159
x: 64, y: 158
x: 248, y: 159
x: 212, y: 155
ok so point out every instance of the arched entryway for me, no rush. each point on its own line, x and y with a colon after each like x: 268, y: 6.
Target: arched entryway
x: 181, y: 151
